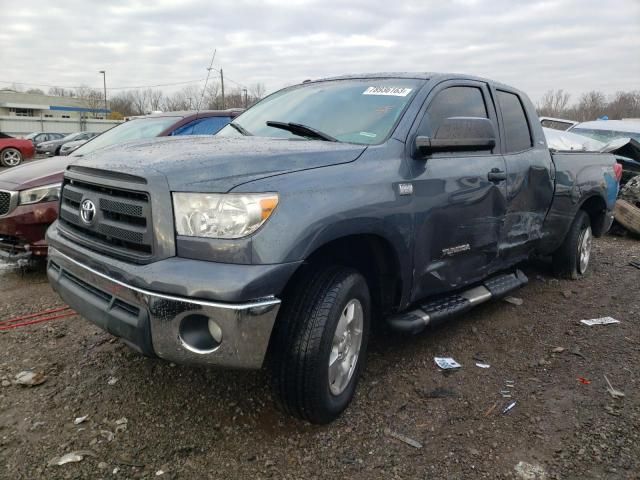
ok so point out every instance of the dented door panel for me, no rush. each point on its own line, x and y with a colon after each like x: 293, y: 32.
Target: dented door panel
x: 529, y: 194
x: 458, y: 220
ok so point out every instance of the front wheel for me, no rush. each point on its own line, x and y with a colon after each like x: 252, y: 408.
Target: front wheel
x: 320, y: 342
x: 572, y: 259
x: 10, y: 157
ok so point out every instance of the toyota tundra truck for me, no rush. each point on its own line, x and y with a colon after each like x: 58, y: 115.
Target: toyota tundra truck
x: 328, y: 209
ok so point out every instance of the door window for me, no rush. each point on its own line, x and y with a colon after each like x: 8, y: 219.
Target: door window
x: 453, y: 102
x: 516, y: 127
x: 203, y: 126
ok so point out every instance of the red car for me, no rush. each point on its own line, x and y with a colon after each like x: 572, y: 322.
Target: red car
x: 29, y: 195
x: 14, y: 150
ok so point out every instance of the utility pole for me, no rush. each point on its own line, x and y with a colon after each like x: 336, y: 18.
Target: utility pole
x: 246, y: 103
x: 222, y: 85
x: 104, y: 79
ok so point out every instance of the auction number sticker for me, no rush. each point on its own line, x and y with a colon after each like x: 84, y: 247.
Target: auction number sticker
x: 389, y: 91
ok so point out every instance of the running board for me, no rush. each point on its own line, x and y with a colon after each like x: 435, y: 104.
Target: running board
x: 441, y: 309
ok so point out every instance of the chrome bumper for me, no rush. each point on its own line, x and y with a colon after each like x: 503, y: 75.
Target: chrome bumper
x: 154, y: 323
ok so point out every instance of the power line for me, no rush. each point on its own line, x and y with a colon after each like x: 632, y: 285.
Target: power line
x: 133, y: 87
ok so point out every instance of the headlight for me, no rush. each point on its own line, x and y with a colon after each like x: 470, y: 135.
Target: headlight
x: 48, y: 193
x: 229, y: 215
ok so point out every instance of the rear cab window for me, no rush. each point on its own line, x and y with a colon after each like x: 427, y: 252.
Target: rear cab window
x: 516, y: 126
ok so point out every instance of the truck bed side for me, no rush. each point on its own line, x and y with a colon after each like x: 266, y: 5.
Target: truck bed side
x: 582, y: 180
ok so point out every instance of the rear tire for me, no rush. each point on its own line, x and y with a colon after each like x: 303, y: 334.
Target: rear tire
x: 320, y: 343
x: 10, y: 157
x: 572, y: 259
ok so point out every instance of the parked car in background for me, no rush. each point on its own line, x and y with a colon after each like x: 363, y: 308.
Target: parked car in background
x: 52, y: 147
x: 14, y: 150
x: 625, y: 149
x: 39, y: 137
x: 69, y: 147
x: 31, y: 192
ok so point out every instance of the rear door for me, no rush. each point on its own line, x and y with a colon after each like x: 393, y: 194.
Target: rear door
x: 459, y: 210
x: 529, y: 176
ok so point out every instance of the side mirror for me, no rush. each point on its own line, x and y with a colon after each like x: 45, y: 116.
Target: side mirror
x: 459, y: 134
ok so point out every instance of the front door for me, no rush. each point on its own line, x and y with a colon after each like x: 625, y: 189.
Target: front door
x: 460, y: 197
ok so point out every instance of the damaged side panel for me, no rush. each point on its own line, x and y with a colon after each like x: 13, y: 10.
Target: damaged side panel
x: 458, y: 220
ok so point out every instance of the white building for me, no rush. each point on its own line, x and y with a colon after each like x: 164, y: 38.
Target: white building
x: 24, y: 113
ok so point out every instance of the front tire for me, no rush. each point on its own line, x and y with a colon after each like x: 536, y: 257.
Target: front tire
x: 10, y: 157
x: 320, y: 343
x: 572, y: 259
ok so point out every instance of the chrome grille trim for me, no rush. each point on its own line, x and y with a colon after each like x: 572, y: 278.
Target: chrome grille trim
x: 8, y: 202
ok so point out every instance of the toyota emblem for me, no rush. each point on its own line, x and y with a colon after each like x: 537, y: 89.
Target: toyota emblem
x: 87, y: 211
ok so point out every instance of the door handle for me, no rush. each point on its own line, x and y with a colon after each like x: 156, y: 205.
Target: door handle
x: 496, y: 175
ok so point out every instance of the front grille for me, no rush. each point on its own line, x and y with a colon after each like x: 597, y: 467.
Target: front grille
x: 121, y: 226
x: 5, y: 202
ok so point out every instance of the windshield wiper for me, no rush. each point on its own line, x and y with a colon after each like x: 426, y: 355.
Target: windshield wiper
x: 240, y: 128
x: 302, y: 130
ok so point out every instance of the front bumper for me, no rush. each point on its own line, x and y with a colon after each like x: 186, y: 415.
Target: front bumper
x: 158, y: 324
x: 22, y: 230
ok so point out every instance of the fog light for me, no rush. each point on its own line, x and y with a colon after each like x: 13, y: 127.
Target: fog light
x: 215, y: 331
x: 200, y: 334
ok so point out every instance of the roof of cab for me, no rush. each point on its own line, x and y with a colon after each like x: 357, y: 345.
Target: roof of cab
x: 416, y: 76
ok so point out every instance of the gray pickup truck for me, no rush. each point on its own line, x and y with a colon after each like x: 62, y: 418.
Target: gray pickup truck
x: 324, y: 211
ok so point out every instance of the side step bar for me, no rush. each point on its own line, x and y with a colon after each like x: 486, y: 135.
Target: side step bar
x: 441, y: 309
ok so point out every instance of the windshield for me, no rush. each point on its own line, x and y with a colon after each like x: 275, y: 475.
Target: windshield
x: 31, y: 135
x: 605, y: 136
x: 136, y: 129
x: 362, y: 111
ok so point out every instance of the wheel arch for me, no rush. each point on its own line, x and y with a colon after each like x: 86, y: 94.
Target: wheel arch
x: 374, y: 256
x: 596, y: 207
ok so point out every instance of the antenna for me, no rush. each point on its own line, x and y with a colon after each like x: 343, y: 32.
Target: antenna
x: 204, y: 89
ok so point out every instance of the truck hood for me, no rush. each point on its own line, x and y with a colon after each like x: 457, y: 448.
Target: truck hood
x: 35, y: 174
x: 218, y: 164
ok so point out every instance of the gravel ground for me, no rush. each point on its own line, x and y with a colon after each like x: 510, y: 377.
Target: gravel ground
x: 151, y: 419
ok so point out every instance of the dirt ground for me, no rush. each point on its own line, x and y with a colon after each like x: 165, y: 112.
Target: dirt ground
x: 151, y: 419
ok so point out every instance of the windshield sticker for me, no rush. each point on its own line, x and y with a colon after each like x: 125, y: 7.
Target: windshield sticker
x: 368, y: 134
x: 383, y: 110
x: 390, y: 91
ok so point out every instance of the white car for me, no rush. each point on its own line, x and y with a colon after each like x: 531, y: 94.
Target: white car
x: 608, y: 130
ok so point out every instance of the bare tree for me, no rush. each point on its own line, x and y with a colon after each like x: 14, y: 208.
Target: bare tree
x: 257, y: 91
x: 92, y: 98
x: 185, y: 99
x: 592, y: 105
x: 155, y: 98
x: 624, y: 105
x: 212, y: 98
x: 139, y: 101
x: 61, y: 92
x: 122, y: 103
x: 554, y: 103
